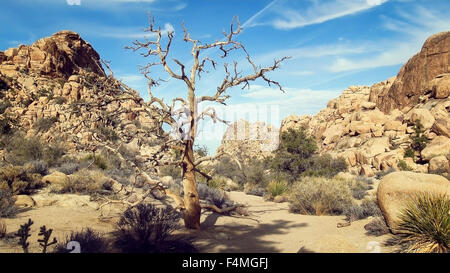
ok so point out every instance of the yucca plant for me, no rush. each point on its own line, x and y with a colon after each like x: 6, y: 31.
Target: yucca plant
x: 277, y: 187
x: 424, y: 225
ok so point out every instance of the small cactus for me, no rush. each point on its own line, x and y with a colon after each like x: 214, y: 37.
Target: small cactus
x: 23, y: 233
x: 44, y: 242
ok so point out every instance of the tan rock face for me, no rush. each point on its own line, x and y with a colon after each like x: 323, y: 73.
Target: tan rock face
x: 440, y: 86
x: 437, y: 147
x: 61, y: 55
x: 413, y: 79
x: 396, y: 189
x: 439, y: 164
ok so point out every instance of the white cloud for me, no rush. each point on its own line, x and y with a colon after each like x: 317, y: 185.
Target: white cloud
x: 287, y: 16
x: 73, y: 2
x: 125, y: 33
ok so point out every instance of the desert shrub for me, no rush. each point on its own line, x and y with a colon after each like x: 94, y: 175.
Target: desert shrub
x: 68, y: 167
x: 424, y: 224
x: 377, y: 227
x: 7, y: 206
x: 409, y: 153
x: 212, y: 195
x: 85, y: 182
x: 360, y: 186
x: 3, y: 84
x: 369, y: 207
x: 44, y: 124
x: 3, y: 229
x: 19, y: 181
x: 294, y: 153
x: 255, y: 173
x: 324, y: 165
x: 107, y: 133
x: 217, y: 182
x: 201, y: 150
x: 145, y: 228
x: 419, y: 141
x: 277, y: 187
x: 37, y: 166
x: 94, y: 160
x: 6, y: 125
x: 90, y: 242
x: 227, y: 167
x: 320, y: 196
x: 403, y: 166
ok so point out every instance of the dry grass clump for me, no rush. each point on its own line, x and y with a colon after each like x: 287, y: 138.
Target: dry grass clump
x: 85, y: 182
x: 3, y: 229
x: 320, y: 196
x: 277, y: 187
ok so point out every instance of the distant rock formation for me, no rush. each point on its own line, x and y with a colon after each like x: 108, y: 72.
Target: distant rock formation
x: 250, y: 140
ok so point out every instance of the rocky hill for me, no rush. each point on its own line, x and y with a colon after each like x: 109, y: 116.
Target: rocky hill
x: 57, y: 89
x: 372, y: 127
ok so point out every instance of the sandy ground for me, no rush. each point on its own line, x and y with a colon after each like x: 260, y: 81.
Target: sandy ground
x: 268, y: 228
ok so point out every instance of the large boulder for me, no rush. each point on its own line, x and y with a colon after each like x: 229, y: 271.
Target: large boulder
x: 437, y: 147
x: 440, y: 86
x: 396, y: 189
x: 423, y: 115
x: 439, y: 164
x: 56, y: 180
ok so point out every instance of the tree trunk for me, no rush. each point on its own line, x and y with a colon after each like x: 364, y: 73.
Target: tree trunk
x: 191, y: 199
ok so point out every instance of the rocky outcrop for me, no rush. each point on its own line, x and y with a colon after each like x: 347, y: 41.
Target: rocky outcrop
x: 249, y: 140
x: 61, y: 55
x: 59, y: 82
x: 419, y: 76
x: 396, y: 190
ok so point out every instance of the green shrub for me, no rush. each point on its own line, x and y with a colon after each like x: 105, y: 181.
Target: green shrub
x: 277, y: 187
x: 6, y: 125
x: 90, y: 242
x: 201, y: 150
x: 217, y: 182
x: 97, y: 160
x: 7, y: 206
x: 325, y: 165
x: 227, y: 167
x: 360, y: 186
x: 369, y: 207
x: 171, y: 170
x: 145, y: 229
x: 255, y: 173
x: 409, y: 153
x: 320, y: 196
x: 60, y: 100
x: 107, y: 133
x: 212, y: 195
x: 424, y: 225
x: 403, y: 166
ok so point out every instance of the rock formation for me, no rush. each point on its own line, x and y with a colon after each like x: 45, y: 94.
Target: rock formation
x: 371, y: 127
x: 59, y: 80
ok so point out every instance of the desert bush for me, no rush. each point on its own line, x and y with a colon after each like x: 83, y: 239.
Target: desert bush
x: 3, y: 84
x: 90, y: 242
x: 409, y: 153
x: 6, y: 125
x: 212, y: 195
x: 424, y: 224
x: 96, y: 160
x: 377, y: 227
x: 277, y: 187
x: 4, y: 104
x: 19, y: 181
x: 227, y: 167
x: 324, y: 165
x: 145, y: 228
x: 68, y: 167
x: 419, y: 140
x: 201, y: 150
x: 255, y: 173
x: 37, y: 166
x: 85, y: 181
x: 3, y: 229
x: 360, y: 186
x: 44, y: 124
x: 369, y: 207
x: 403, y: 166
x: 171, y: 170
x: 60, y: 100
x: 7, y: 206
x: 217, y: 182
x: 107, y: 133
x: 320, y: 196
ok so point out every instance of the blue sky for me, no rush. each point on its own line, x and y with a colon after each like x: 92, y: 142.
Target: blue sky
x: 333, y: 43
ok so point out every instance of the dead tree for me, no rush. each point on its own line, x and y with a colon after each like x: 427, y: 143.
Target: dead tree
x: 182, y: 113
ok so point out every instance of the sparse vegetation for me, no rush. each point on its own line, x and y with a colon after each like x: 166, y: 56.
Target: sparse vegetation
x: 320, y: 196
x: 377, y: 227
x: 403, y: 166
x: 86, y: 181
x: 409, y: 153
x: 3, y: 229
x: 145, y: 229
x: 360, y: 186
x: 18, y: 180
x: 7, y: 207
x: 44, y: 124
x: 212, y: 195
x: 107, y: 133
x: 90, y: 242
x: 424, y: 224
x: 277, y: 187
x: 369, y: 207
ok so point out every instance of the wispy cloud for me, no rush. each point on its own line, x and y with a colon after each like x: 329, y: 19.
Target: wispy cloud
x: 123, y: 32
x: 288, y: 17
